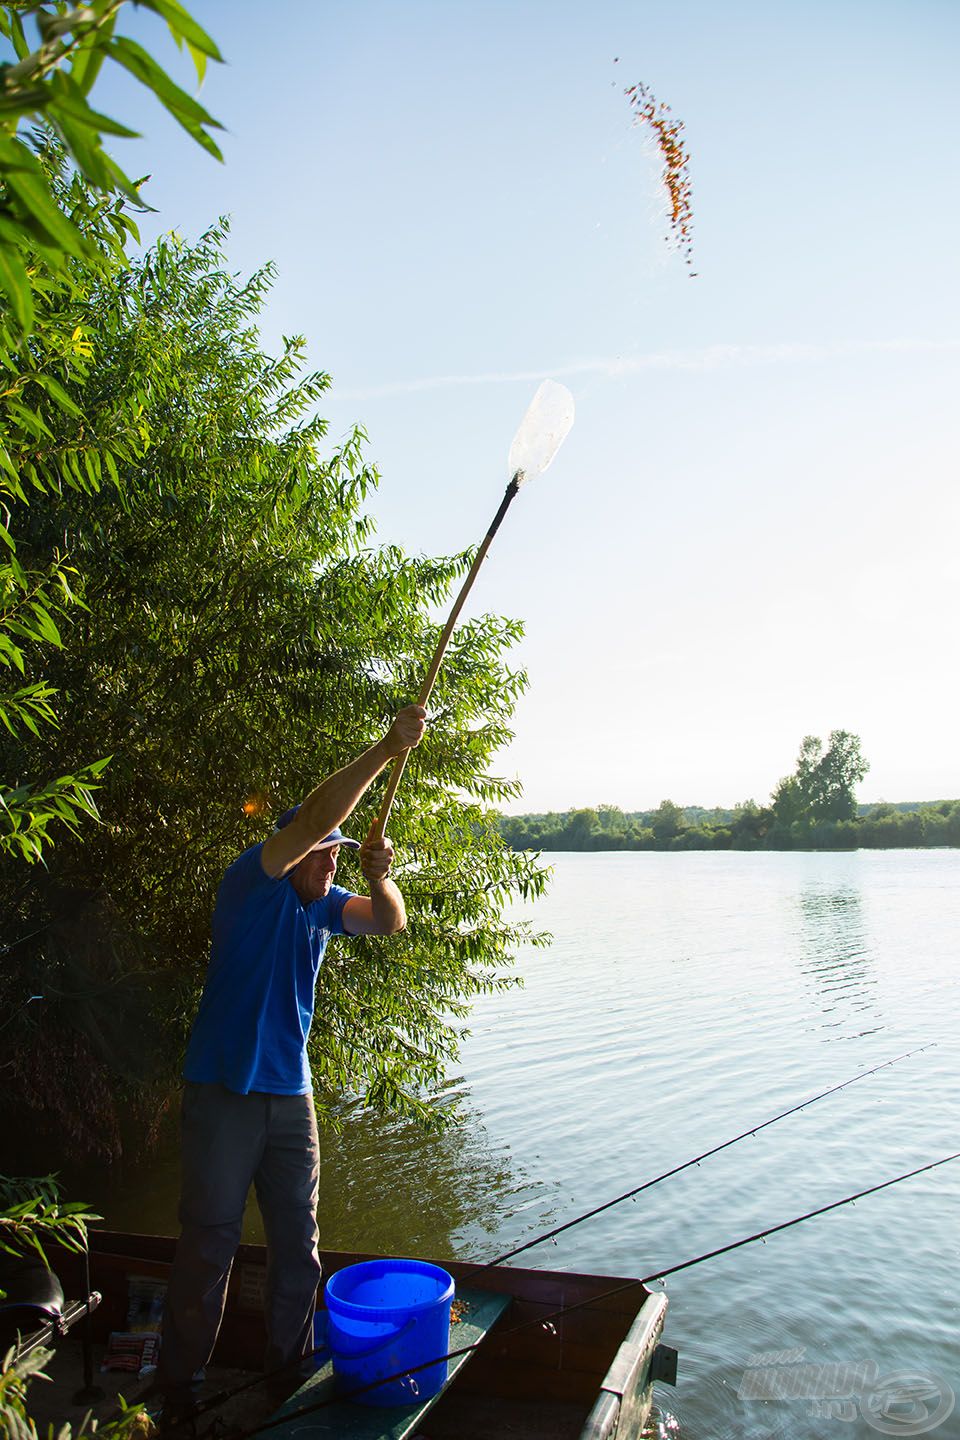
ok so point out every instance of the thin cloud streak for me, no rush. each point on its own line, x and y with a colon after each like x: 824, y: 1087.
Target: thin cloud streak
x: 710, y: 357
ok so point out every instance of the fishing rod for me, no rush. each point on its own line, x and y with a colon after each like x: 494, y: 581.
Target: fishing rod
x: 223, y: 1395
x: 704, y: 1155
x: 546, y: 1321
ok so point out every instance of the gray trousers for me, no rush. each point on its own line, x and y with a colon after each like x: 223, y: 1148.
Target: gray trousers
x: 230, y: 1140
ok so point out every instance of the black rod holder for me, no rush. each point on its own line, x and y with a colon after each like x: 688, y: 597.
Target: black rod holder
x: 89, y: 1393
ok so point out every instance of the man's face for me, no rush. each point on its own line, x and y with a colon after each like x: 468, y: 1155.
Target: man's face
x: 313, y: 877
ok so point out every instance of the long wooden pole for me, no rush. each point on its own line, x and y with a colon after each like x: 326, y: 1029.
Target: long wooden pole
x: 378, y: 828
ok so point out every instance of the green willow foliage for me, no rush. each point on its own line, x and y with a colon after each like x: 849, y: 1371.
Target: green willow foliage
x: 16, y: 1423
x: 239, y: 638
x: 50, y: 79
x: 51, y: 445
x: 54, y: 239
x: 32, y: 1215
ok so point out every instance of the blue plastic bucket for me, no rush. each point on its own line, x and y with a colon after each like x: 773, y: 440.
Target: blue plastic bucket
x: 386, y: 1316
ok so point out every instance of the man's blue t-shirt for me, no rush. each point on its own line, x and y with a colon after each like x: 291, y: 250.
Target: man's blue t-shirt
x: 251, y: 1029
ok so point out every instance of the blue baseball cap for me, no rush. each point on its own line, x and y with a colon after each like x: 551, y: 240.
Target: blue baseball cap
x: 336, y: 837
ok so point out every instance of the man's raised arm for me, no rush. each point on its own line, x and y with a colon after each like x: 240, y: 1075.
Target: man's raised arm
x: 326, y: 807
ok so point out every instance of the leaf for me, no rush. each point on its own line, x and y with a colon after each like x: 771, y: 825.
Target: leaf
x: 54, y: 388
x: 20, y: 42
x: 13, y: 279
x: 199, y: 62
x: 9, y: 229
x: 184, y: 26
x: 14, y: 155
x: 25, y: 101
x: 45, y: 626
x: 70, y: 99
x: 31, y: 189
x: 85, y: 148
x: 185, y: 110
x: 91, y: 461
x: 29, y: 420
x: 131, y: 189
x: 90, y: 54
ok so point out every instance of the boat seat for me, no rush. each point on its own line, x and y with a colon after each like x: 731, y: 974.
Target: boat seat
x: 381, y: 1422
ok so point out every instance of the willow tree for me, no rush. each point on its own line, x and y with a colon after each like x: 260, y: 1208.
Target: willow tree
x: 241, y: 636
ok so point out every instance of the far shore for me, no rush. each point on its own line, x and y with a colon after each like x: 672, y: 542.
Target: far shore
x: 907, y: 826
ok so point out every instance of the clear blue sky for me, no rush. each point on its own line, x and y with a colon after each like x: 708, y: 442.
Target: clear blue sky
x: 752, y: 532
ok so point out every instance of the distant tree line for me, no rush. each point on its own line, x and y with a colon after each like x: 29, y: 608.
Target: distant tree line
x: 814, y: 808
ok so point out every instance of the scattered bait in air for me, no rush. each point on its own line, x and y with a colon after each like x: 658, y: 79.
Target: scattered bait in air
x: 647, y: 110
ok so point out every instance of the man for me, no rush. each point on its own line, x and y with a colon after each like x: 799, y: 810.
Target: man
x: 248, y: 1107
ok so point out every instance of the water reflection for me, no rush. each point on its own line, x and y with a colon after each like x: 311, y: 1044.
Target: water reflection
x: 387, y: 1186
x: 835, y: 955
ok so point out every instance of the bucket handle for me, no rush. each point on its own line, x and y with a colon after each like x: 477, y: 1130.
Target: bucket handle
x: 377, y: 1344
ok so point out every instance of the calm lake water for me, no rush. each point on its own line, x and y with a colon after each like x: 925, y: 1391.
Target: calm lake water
x: 685, y: 998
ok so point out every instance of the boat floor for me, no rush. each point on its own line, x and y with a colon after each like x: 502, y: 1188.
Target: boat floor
x: 54, y: 1402
x: 456, y: 1416
x: 476, y: 1417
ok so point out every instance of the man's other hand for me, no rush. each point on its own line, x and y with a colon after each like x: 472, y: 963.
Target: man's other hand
x: 376, y: 857
x: 406, y: 730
